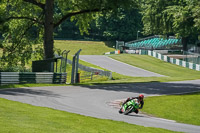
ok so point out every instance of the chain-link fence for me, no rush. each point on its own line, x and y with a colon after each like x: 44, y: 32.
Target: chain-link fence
x: 91, y: 76
x: 89, y: 73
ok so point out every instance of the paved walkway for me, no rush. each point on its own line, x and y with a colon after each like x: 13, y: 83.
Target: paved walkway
x: 117, y: 66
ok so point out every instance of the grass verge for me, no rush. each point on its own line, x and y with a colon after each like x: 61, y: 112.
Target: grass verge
x: 18, y: 117
x: 173, y: 72
x: 181, y: 108
x: 88, y: 47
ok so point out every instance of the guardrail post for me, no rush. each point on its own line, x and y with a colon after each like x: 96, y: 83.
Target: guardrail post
x: 75, y: 64
x: 73, y: 67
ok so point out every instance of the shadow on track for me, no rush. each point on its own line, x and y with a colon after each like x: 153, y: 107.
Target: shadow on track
x: 24, y: 91
x: 159, y: 88
x: 135, y: 115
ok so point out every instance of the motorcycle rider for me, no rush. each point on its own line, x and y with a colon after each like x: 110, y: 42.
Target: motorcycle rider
x: 140, y: 100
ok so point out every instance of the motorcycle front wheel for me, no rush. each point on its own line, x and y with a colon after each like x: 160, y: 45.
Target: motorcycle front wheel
x: 128, y: 110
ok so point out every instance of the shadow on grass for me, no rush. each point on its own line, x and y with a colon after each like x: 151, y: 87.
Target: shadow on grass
x: 16, y: 86
x: 110, y: 44
x: 7, y: 86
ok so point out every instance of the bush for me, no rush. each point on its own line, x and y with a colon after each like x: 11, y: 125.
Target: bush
x: 15, y: 69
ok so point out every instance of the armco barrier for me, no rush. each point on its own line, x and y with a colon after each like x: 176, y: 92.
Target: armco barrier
x: 113, y: 52
x: 32, y: 77
x: 171, y: 60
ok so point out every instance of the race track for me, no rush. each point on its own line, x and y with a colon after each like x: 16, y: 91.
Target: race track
x: 117, y: 66
x: 100, y: 101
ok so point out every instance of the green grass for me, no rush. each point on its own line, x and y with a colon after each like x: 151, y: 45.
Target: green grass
x: 173, y: 72
x: 181, y: 108
x: 17, y: 117
x: 88, y: 47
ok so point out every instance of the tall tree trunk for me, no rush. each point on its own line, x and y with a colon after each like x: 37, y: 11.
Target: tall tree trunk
x: 48, y: 29
x: 184, y: 43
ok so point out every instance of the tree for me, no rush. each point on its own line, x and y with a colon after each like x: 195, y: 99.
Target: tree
x: 176, y: 17
x: 68, y: 30
x: 194, y: 6
x: 122, y: 25
x: 110, y: 26
x: 20, y: 16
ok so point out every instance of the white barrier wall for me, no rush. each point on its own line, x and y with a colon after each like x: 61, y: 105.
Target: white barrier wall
x: 197, y: 67
x: 173, y: 61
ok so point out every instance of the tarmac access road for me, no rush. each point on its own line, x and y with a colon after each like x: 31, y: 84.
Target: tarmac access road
x: 101, y: 101
x: 117, y: 66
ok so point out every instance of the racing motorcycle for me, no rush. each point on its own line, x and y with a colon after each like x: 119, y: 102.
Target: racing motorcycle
x: 129, y: 107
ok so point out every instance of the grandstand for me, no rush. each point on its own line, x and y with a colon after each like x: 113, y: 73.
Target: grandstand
x: 153, y: 42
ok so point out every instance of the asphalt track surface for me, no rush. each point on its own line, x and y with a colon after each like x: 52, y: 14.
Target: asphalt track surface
x: 102, y: 101
x: 117, y: 66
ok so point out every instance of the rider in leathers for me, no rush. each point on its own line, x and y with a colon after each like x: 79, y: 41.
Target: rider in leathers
x: 140, y: 100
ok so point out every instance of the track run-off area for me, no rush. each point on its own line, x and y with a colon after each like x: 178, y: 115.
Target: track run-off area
x: 102, y: 101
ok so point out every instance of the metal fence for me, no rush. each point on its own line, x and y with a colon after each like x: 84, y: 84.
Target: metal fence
x: 32, y: 77
x: 119, y: 45
x: 93, y: 71
x: 91, y: 76
x: 191, y: 57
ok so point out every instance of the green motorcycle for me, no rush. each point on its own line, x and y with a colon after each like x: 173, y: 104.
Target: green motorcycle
x: 129, y: 107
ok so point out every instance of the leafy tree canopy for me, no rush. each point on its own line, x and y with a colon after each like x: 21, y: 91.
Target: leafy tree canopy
x: 26, y: 22
x: 122, y: 26
x: 110, y: 26
x: 179, y: 17
x: 172, y: 17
